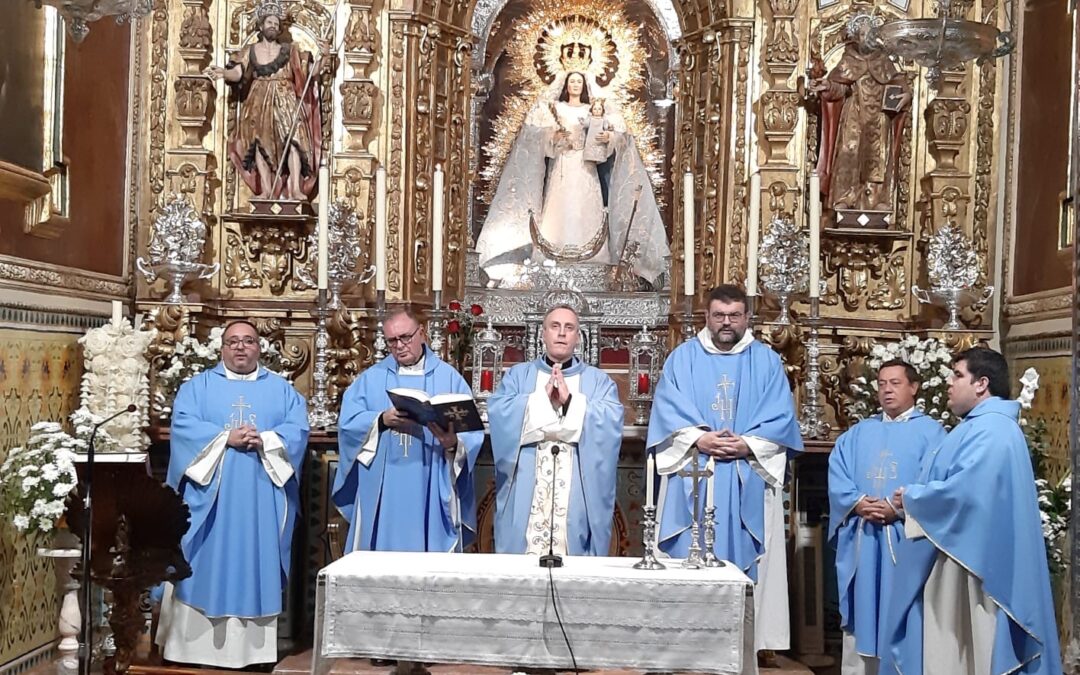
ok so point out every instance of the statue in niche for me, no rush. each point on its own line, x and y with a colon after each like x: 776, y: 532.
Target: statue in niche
x: 277, y: 147
x: 572, y: 153
x: 862, y: 101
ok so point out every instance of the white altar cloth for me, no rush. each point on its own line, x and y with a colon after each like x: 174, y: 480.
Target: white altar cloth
x: 497, y: 610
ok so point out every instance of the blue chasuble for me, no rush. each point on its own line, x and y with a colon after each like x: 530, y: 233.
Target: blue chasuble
x: 872, y: 459
x: 402, y: 498
x: 746, y: 393
x: 976, y: 500
x: 596, y: 457
x: 240, y: 540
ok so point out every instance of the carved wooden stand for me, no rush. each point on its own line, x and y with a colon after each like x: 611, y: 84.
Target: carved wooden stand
x: 137, y: 526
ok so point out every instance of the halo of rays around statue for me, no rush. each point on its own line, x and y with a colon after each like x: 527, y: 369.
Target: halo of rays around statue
x: 561, y: 36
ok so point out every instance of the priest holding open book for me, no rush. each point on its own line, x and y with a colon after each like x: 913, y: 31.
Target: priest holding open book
x: 406, y: 484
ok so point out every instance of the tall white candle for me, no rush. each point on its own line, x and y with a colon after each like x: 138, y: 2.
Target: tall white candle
x: 688, y: 233
x: 650, y: 469
x: 324, y: 226
x: 815, y: 235
x: 117, y: 312
x: 437, y: 215
x: 753, y: 235
x: 380, y: 229
x: 710, y: 487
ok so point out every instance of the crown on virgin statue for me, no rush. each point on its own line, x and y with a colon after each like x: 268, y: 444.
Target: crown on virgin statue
x: 575, y: 57
x: 269, y: 8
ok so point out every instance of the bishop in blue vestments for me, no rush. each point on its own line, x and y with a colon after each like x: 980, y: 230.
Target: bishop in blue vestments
x: 727, y: 395
x: 868, y: 462
x: 239, y: 435
x: 402, y: 486
x: 556, y: 430
x: 972, y: 590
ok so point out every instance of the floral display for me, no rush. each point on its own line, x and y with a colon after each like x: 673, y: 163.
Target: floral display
x: 37, y: 477
x: 459, y: 329
x: 116, y: 375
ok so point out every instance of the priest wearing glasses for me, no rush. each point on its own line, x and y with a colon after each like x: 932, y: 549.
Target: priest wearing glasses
x: 238, y: 439
x: 403, y: 486
x: 556, y: 430
x: 726, y: 394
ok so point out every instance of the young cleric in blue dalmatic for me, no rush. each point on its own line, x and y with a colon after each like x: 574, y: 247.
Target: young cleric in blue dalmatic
x: 556, y: 401
x: 727, y: 394
x: 401, y: 486
x: 868, y: 462
x: 972, y: 590
x: 239, y: 434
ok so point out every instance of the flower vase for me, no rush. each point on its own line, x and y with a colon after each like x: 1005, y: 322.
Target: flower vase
x: 65, y: 552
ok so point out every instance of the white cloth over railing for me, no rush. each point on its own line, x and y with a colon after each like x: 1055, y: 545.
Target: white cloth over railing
x: 497, y: 610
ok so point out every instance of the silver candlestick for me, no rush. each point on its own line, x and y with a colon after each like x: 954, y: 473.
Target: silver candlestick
x: 710, y: 539
x: 321, y: 416
x: 688, y: 331
x: 812, y: 422
x: 380, y: 336
x: 437, y: 324
x: 648, y: 536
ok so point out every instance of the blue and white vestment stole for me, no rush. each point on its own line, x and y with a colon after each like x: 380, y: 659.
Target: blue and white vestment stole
x: 745, y: 392
x: 592, y: 461
x: 872, y: 459
x: 397, y: 488
x: 244, y: 503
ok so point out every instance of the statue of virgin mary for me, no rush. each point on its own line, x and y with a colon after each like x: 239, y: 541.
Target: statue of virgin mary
x: 576, y: 171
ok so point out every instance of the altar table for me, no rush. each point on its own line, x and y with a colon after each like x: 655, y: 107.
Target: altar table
x: 497, y: 610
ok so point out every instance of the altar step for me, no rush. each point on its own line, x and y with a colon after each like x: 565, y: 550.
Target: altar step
x: 300, y: 664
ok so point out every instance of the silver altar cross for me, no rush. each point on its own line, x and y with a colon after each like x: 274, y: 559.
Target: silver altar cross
x: 236, y: 419
x: 724, y: 403
x: 693, y: 556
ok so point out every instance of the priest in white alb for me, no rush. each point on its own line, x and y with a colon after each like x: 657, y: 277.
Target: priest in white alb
x: 727, y: 395
x: 556, y: 430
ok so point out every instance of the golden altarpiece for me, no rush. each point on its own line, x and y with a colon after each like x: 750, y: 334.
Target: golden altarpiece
x: 723, y: 90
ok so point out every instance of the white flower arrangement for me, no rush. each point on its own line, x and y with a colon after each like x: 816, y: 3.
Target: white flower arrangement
x: 36, y: 478
x: 116, y: 375
x: 192, y: 356
x: 930, y: 358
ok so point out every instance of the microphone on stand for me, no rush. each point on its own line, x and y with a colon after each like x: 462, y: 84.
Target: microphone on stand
x: 552, y: 559
x: 86, y: 630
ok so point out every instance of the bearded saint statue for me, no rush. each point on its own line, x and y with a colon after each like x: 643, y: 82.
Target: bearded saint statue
x: 278, y: 142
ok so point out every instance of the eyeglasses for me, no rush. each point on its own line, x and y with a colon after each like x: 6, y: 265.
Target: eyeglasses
x: 727, y: 316
x: 402, y: 339
x: 236, y: 342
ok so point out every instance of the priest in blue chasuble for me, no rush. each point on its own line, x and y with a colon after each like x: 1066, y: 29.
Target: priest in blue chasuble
x: 868, y: 462
x: 403, y: 486
x: 971, y: 594
x: 238, y: 439
x: 556, y: 430
x: 726, y: 394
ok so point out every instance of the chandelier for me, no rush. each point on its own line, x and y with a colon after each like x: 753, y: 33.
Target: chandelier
x: 943, y: 43
x: 80, y: 13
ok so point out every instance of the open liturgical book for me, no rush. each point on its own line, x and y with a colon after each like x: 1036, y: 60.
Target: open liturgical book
x: 442, y: 409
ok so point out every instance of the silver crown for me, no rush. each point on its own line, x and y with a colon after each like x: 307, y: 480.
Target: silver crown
x: 269, y: 8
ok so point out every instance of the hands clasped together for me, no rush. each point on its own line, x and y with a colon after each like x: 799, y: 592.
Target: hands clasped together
x: 877, y: 511
x: 245, y: 437
x: 557, y: 391
x: 723, y: 445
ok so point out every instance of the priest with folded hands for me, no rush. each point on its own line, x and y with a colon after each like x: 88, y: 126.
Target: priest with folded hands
x: 556, y: 430
x: 401, y: 485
